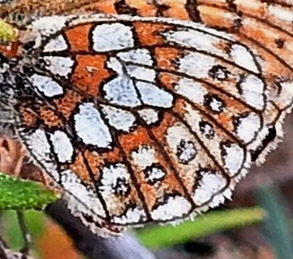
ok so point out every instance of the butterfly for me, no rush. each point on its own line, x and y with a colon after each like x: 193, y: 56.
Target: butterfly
x: 148, y: 111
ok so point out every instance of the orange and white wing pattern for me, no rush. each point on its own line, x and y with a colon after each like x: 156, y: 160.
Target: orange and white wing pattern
x: 152, y: 119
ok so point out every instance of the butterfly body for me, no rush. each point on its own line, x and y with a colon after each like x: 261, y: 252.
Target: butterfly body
x: 150, y: 119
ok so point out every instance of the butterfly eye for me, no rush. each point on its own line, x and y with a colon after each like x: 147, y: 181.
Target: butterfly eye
x: 17, y: 17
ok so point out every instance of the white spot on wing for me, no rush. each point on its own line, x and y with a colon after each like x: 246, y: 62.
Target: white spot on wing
x: 115, y: 65
x: 196, y: 64
x: 138, y: 56
x: 242, y: 57
x: 281, y: 12
x: 174, y: 207
x: 233, y: 158
x: 149, y: 115
x: 141, y: 73
x: 114, y: 36
x: 118, y: 118
x: 56, y: 44
x: 216, y: 105
x: 120, y: 90
x: 145, y: 156
x: 49, y: 25
x: 248, y: 127
x: 191, y: 89
x: 90, y: 127
x: 252, y: 90
x: 151, y: 94
x: 209, y: 185
x: 61, y: 66
x: 46, y: 85
x: 62, y: 146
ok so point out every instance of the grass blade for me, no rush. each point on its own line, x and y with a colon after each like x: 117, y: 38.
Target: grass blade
x: 277, y: 225
x: 212, y: 222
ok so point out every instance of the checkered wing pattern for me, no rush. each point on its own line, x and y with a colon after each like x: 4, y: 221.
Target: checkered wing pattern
x: 152, y: 119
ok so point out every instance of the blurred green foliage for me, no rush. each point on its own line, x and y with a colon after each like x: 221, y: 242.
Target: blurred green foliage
x: 277, y: 227
x: 212, y: 222
x: 35, y: 221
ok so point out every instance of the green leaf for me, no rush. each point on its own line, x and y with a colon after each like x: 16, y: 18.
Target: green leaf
x: 18, y: 194
x: 212, y: 222
x: 7, y: 32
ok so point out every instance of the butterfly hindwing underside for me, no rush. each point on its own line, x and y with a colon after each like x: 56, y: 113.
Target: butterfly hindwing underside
x: 152, y: 119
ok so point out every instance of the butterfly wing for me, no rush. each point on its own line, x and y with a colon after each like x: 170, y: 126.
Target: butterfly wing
x: 142, y: 119
x: 153, y: 119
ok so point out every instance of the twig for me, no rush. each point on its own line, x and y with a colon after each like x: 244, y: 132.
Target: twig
x: 25, y: 234
x: 93, y: 246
